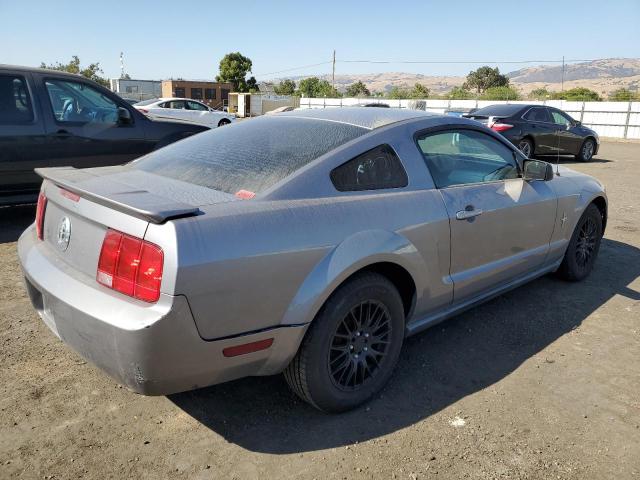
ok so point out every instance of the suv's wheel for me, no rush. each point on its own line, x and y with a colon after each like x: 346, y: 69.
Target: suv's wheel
x: 526, y: 146
x: 583, y: 247
x: 586, y: 151
x: 352, y: 346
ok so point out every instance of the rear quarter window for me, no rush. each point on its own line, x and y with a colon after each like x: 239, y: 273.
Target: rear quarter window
x: 15, y: 102
x: 251, y: 155
x: 376, y: 169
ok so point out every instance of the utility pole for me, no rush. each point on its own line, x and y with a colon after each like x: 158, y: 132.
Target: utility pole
x: 562, y: 87
x: 333, y: 75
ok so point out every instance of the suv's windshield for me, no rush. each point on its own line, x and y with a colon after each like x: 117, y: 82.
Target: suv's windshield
x: 251, y: 155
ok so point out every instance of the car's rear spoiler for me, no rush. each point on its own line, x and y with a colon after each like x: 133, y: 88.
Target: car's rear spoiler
x: 138, y: 203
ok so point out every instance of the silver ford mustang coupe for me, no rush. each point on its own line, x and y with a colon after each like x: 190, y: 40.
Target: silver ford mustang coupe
x: 308, y: 242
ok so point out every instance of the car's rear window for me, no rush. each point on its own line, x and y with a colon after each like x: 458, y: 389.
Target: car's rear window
x: 251, y: 155
x: 496, y: 110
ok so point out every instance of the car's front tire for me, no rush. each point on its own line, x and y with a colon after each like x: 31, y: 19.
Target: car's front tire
x: 351, y: 347
x: 586, y: 150
x: 224, y: 122
x: 583, y: 247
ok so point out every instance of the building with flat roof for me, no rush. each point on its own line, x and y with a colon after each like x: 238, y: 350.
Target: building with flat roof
x: 137, y: 89
x: 214, y: 94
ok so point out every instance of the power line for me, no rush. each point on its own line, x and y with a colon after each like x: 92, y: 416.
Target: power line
x: 294, y: 68
x: 463, y: 61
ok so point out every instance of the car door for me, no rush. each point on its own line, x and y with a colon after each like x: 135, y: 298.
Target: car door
x: 500, y: 224
x: 84, y: 128
x: 171, y: 109
x: 541, y: 128
x: 200, y: 113
x: 569, y: 141
x: 22, y: 137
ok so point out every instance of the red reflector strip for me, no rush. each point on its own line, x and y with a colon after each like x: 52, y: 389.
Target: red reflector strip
x: 40, y: 210
x: 70, y: 195
x: 245, y: 194
x: 247, y: 348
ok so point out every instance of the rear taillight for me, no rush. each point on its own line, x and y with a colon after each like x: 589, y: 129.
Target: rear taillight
x: 131, y: 266
x: 143, y: 110
x: 40, y: 209
x: 501, y: 127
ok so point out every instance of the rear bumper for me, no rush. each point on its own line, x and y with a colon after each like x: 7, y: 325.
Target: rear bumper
x: 153, y: 349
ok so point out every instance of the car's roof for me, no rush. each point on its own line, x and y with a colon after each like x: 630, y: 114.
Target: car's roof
x: 21, y: 68
x: 368, y: 118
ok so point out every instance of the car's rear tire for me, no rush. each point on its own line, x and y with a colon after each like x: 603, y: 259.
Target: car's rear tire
x: 526, y: 147
x: 223, y: 122
x: 351, y: 347
x: 583, y: 247
x: 586, y: 150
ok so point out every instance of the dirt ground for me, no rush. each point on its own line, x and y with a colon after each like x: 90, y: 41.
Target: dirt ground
x: 543, y: 382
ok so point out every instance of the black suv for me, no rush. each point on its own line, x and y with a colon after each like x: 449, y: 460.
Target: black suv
x: 539, y: 130
x: 50, y: 118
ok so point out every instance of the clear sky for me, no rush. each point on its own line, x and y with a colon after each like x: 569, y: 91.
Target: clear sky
x: 162, y: 39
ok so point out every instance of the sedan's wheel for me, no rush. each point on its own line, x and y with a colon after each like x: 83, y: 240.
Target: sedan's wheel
x: 223, y: 122
x: 584, y: 246
x: 352, y: 346
x: 526, y: 146
x: 586, y: 152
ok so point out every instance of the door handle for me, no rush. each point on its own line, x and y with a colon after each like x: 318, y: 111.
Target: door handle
x: 468, y: 213
x: 63, y: 134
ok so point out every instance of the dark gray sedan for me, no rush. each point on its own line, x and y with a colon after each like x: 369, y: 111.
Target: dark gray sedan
x: 309, y: 242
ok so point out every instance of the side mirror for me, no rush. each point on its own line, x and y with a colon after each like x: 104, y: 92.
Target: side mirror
x: 124, y: 116
x: 537, y: 170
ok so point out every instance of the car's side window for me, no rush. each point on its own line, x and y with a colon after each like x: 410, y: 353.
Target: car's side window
x: 460, y: 157
x: 15, y: 102
x: 559, y: 118
x: 375, y: 169
x: 196, y: 106
x: 77, y: 102
x: 177, y: 105
x: 537, y: 114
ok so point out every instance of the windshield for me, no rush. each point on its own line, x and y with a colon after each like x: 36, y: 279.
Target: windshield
x: 250, y: 156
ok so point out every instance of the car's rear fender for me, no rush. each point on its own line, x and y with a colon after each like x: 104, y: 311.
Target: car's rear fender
x: 357, y: 252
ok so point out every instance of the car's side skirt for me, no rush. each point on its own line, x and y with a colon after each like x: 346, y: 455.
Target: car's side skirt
x: 418, y: 325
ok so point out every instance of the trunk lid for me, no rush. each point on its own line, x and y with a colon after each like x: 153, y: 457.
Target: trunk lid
x: 83, y: 204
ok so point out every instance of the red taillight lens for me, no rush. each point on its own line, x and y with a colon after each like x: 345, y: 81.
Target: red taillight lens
x: 40, y: 209
x: 501, y: 127
x: 131, y: 266
x: 143, y: 110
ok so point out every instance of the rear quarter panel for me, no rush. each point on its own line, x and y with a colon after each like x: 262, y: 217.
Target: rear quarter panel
x: 247, y: 266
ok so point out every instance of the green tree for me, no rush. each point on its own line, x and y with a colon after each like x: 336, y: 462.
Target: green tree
x: 539, y: 94
x: 623, y: 95
x: 358, y: 89
x: 313, y: 87
x: 484, y: 78
x: 459, y: 93
x: 397, y: 93
x: 285, y: 87
x: 234, y: 68
x: 91, y: 71
x: 500, y: 93
x: 419, y: 91
x: 578, y: 94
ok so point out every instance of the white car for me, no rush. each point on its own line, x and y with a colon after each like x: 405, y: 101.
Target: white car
x: 185, y: 109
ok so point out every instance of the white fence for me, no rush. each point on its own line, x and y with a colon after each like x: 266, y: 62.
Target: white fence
x: 609, y: 119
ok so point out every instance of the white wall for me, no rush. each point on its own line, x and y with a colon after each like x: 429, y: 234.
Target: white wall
x: 608, y: 119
